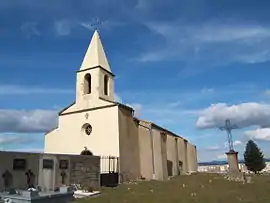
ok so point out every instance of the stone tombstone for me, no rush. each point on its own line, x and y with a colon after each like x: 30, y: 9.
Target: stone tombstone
x: 46, y: 177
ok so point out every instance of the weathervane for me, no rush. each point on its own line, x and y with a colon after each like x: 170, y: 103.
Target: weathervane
x: 228, y: 128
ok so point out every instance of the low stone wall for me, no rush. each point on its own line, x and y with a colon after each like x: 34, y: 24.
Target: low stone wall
x: 85, y: 171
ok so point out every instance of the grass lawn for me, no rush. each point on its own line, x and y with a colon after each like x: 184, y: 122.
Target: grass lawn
x: 203, y: 188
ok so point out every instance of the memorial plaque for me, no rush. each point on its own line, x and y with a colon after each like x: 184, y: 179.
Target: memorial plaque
x: 47, y: 163
x: 19, y: 164
x: 63, y: 164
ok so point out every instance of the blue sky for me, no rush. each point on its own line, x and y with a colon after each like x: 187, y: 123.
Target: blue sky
x: 186, y: 65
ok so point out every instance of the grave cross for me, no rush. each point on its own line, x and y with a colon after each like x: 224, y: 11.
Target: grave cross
x: 63, y: 175
x: 7, y: 176
x: 30, y: 178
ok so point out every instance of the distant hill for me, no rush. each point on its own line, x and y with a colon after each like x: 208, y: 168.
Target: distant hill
x: 215, y: 162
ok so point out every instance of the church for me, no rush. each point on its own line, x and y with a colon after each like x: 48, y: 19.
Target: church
x: 98, y: 122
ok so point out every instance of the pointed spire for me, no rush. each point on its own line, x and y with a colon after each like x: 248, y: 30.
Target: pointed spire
x: 95, y: 55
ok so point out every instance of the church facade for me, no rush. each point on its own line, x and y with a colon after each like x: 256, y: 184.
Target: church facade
x: 108, y: 128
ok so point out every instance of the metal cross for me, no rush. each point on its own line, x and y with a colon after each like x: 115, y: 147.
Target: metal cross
x: 96, y: 24
x: 228, y: 128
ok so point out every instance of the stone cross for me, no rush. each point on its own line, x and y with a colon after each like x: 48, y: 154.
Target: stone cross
x: 7, y: 176
x: 63, y: 175
x: 30, y: 178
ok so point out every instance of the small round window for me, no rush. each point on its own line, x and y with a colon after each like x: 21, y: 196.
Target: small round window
x: 87, y: 128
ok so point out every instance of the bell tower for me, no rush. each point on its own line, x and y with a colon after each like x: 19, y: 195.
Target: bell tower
x: 95, y: 81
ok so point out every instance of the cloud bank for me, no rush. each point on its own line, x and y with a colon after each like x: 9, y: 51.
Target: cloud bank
x: 27, y: 121
x: 261, y: 134
x: 242, y: 115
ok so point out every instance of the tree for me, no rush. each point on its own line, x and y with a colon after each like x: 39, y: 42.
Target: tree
x: 254, y: 158
x: 86, y: 152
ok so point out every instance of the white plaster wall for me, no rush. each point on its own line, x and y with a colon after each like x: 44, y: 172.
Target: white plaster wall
x: 110, y: 95
x: 87, y: 101
x: 69, y: 138
x: 47, y: 176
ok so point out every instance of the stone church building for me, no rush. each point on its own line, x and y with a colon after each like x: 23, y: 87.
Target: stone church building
x: 108, y: 128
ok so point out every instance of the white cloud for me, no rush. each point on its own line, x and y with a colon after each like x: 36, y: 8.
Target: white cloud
x: 117, y: 98
x: 262, y: 134
x: 210, y: 32
x: 267, y: 92
x: 27, y: 121
x: 228, y: 32
x: 137, y: 109
x: 33, y: 150
x: 196, y: 43
x: 18, y: 90
x: 237, y: 142
x: 136, y: 106
x: 213, y: 148
x: 222, y: 156
x: 30, y: 29
x: 63, y: 27
x: 11, y: 139
x: 242, y: 115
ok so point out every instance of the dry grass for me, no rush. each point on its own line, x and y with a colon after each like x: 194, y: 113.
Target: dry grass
x: 202, y: 188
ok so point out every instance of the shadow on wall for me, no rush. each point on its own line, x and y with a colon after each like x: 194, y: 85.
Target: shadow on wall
x: 180, y: 170
x: 170, y: 168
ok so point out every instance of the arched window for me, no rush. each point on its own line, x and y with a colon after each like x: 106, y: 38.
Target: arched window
x: 106, y: 84
x: 87, y: 84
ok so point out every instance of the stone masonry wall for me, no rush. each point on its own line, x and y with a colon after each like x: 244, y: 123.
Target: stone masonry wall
x: 85, y: 170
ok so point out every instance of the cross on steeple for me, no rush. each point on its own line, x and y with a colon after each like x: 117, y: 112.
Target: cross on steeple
x: 96, y: 24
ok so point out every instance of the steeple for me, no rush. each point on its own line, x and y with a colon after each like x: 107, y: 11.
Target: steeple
x: 95, y: 83
x: 95, y: 55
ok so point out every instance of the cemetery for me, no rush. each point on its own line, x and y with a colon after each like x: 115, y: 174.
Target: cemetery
x: 37, y: 177
x: 194, y: 188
